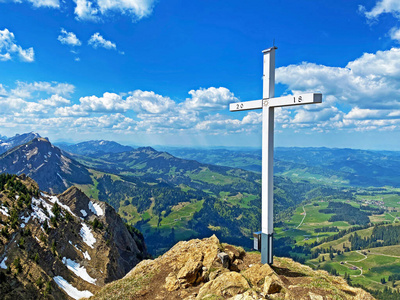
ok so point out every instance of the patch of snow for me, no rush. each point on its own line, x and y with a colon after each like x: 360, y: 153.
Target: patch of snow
x: 70, y: 289
x: 78, y: 270
x: 54, y: 199
x: 87, y: 235
x: 4, y: 211
x: 83, y: 212
x: 86, y: 255
x: 102, y: 142
x: 95, y: 208
x: 38, y: 213
x: 3, y: 263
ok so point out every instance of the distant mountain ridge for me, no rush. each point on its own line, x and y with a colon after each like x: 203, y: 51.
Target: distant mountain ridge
x: 352, y: 166
x: 94, y: 148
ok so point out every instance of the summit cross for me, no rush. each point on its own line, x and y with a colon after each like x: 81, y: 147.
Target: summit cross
x: 267, y: 104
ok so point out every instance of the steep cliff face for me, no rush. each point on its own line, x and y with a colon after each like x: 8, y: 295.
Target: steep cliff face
x: 60, y: 247
x: 206, y: 269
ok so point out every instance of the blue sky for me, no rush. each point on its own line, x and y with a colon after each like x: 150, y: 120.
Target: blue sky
x: 147, y: 72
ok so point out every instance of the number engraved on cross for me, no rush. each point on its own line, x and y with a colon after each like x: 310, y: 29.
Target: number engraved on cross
x: 299, y: 98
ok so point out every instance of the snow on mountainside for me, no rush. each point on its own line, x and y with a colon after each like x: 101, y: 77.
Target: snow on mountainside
x: 48, y: 248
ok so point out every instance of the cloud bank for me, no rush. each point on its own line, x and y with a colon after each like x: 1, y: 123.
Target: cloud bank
x: 362, y: 96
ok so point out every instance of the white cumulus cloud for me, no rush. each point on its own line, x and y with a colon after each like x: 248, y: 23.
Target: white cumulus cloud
x: 9, y: 48
x: 381, y: 7
x: 138, y: 101
x: 369, y: 81
x: 95, y: 10
x: 85, y: 10
x: 45, y: 3
x: 395, y: 34
x: 210, y: 99
x: 68, y: 38
x: 96, y: 40
x: 55, y: 101
x: 369, y: 86
x: 27, y: 90
x: 149, y: 102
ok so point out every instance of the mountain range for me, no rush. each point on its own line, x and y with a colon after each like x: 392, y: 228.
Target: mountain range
x: 167, y: 198
x: 170, y: 198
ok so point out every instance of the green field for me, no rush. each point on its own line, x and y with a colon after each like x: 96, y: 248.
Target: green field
x: 301, y: 227
x: 206, y: 175
x: 370, y: 266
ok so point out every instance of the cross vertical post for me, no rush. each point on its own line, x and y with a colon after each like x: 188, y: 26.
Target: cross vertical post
x: 267, y: 180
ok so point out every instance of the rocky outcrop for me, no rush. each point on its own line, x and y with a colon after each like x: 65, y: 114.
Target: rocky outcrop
x: 60, y: 247
x: 206, y: 269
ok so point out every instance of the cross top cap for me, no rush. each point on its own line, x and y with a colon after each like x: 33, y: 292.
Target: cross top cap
x: 269, y: 49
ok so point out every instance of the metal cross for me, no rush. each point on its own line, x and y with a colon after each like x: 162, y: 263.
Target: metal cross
x: 267, y: 104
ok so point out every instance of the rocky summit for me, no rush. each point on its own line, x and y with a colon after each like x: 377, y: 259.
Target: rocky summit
x: 63, y: 246
x: 207, y: 269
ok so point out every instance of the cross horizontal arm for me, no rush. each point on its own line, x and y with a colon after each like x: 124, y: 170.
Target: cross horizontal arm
x: 309, y: 98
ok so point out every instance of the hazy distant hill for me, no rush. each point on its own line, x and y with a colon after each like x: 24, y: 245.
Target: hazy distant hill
x: 95, y: 148
x: 46, y: 164
x: 345, y: 166
x: 19, y: 139
x: 53, y: 247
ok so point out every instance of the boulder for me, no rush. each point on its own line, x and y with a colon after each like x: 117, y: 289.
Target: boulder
x: 273, y: 284
x: 249, y: 295
x: 191, y: 271
x: 171, y: 283
x: 256, y: 273
x: 226, y: 285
